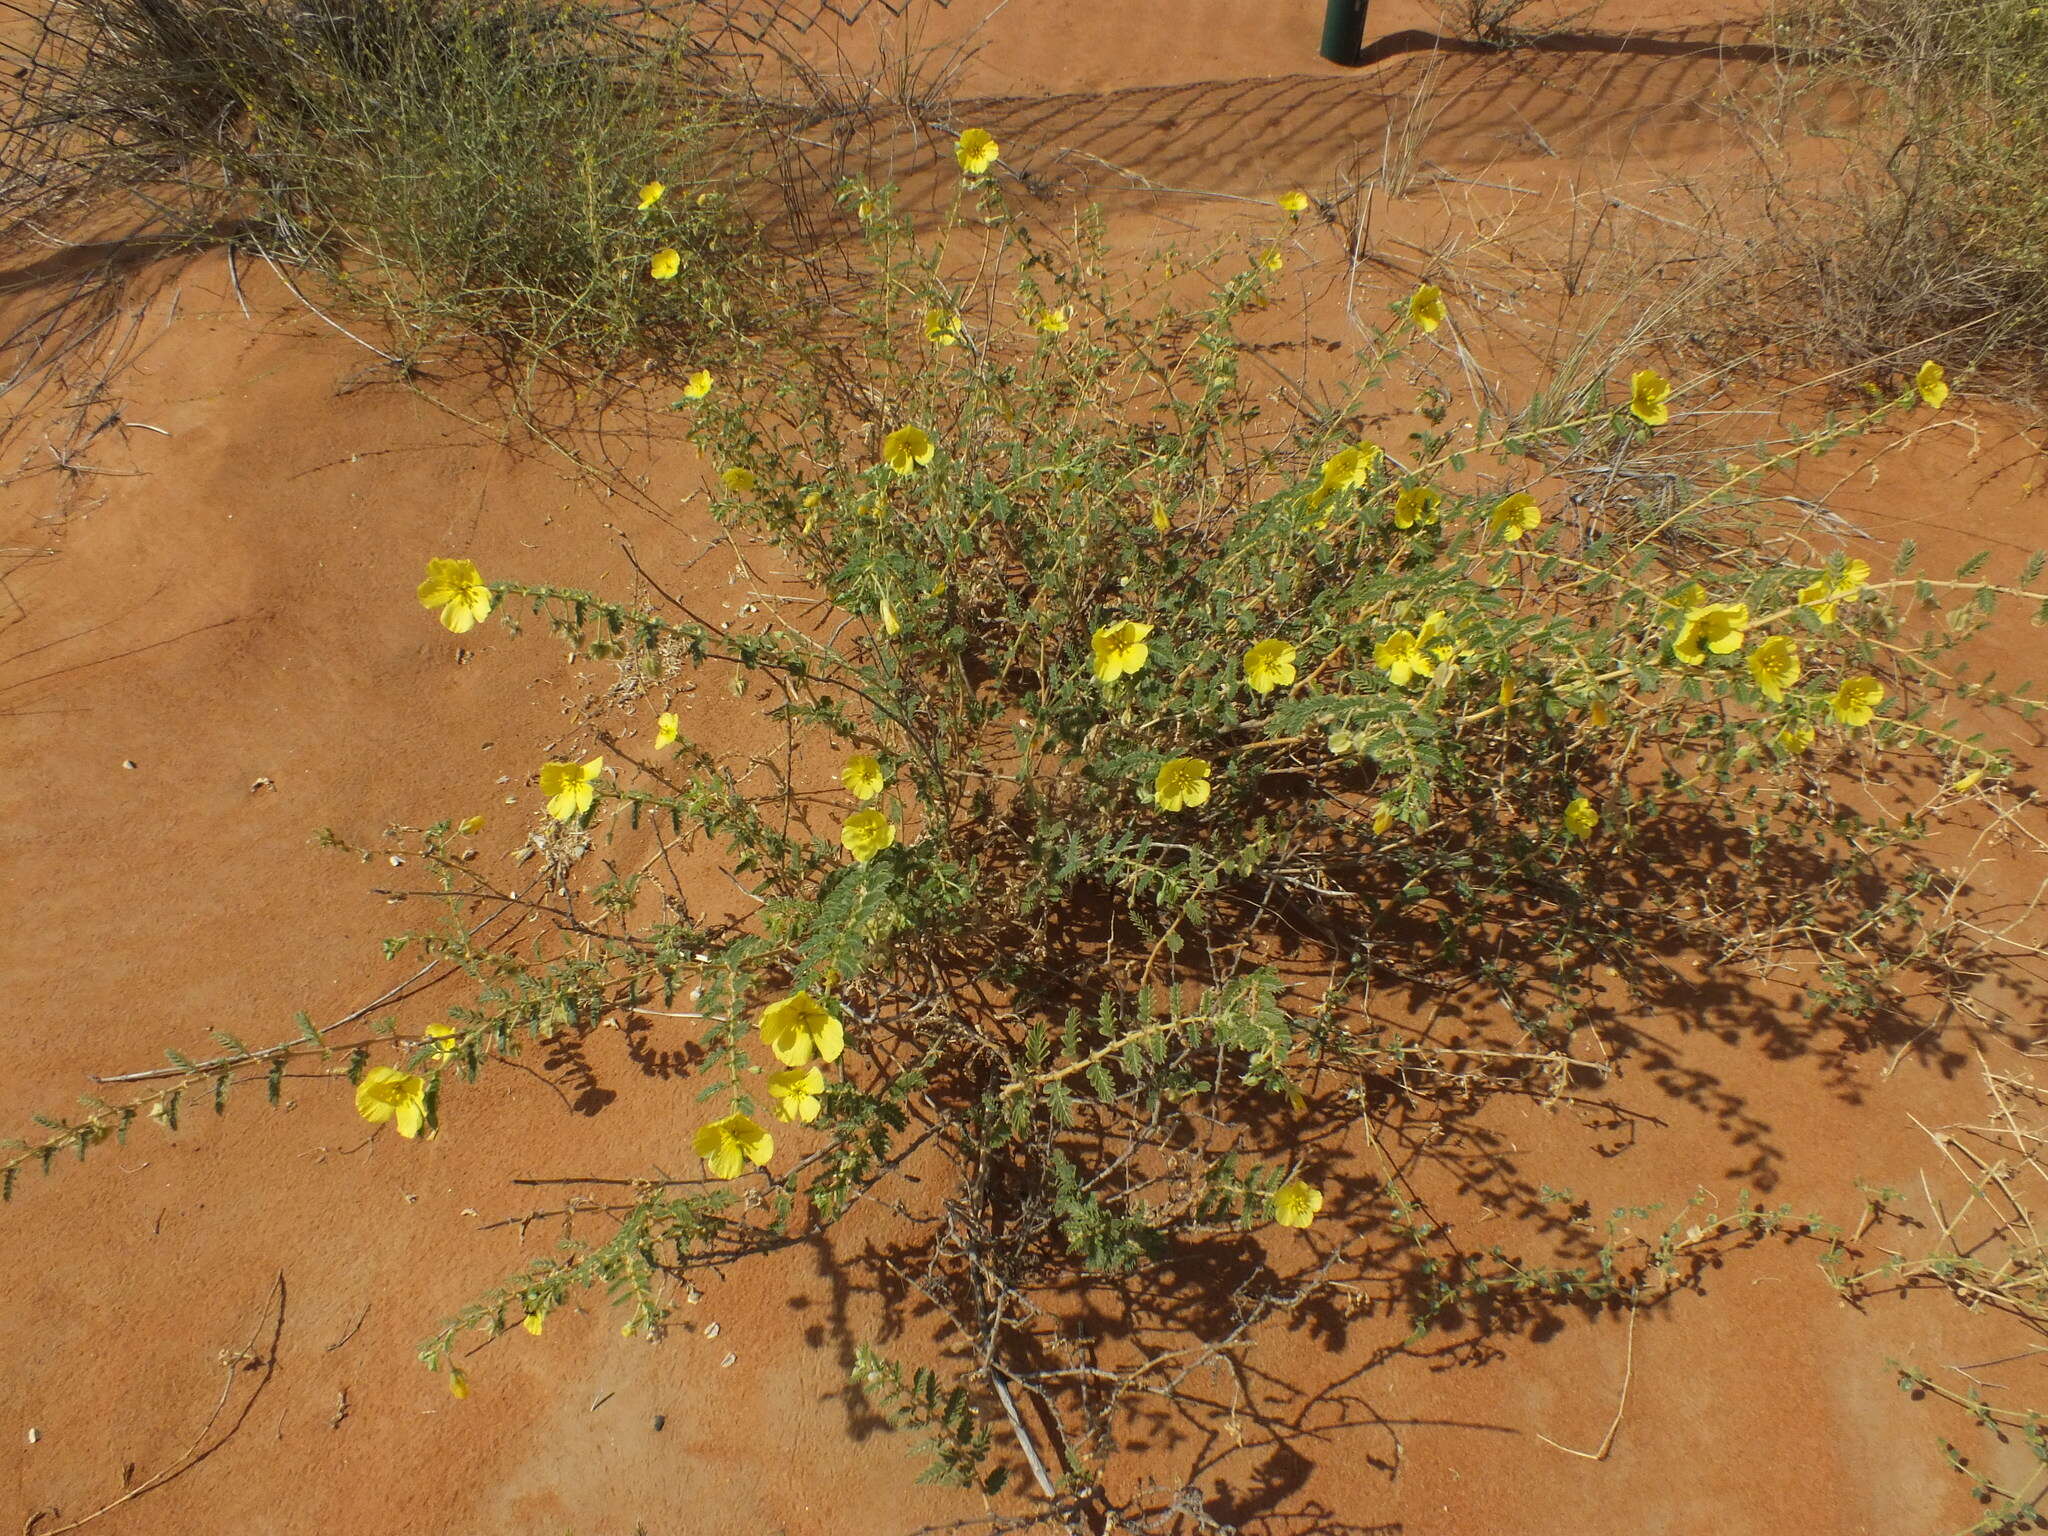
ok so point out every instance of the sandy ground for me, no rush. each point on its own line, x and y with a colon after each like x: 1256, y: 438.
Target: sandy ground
x: 211, y: 652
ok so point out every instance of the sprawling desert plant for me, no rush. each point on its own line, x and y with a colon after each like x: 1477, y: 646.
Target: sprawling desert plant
x: 1160, y: 747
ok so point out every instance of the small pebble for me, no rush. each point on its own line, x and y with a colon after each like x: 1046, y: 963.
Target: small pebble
x: 660, y: 1422
x: 730, y: 1360
x: 127, y: 762
x: 711, y: 1330
x: 34, y: 1435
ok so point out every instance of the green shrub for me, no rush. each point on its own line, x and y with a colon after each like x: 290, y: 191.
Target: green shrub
x: 1155, y: 728
x: 465, y: 169
x: 1943, y: 231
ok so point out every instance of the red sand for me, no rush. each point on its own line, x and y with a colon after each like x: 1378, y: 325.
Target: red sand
x: 226, y: 605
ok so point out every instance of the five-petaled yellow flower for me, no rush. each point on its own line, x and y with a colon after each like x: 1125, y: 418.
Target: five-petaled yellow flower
x: 1417, y: 504
x: 1648, y: 394
x: 385, y: 1093
x: 1182, y: 784
x: 533, y: 1322
x: 1716, y: 627
x: 665, y: 265
x: 1120, y: 649
x: 737, y: 480
x: 1402, y: 656
x: 1931, y: 384
x: 942, y: 327
x: 1055, y: 322
x: 454, y: 587
x: 1269, y: 665
x: 798, y: 1094
x: 866, y: 834
x: 1345, y: 470
x: 666, y: 728
x: 1854, y: 703
x: 862, y: 776
x: 907, y: 449
x: 698, y: 385
x: 728, y: 1145
x: 1775, y: 666
x: 800, y: 1027
x: 1796, y: 737
x: 447, y: 1041
x: 1580, y: 818
x: 1821, y: 594
x: 1295, y: 1203
x: 1272, y: 261
x: 976, y: 150
x: 1426, y: 307
x: 651, y: 194
x: 570, y: 787
x: 1295, y: 202
x: 1515, y: 516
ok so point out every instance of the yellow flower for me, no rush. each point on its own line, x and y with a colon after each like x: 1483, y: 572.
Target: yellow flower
x: 1507, y: 692
x: 1775, y: 666
x: 1716, y: 627
x: 1272, y: 261
x: 1426, y: 307
x: 1382, y: 818
x: 866, y: 834
x: 942, y: 327
x: 1967, y: 782
x: 1120, y: 649
x: 447, y: 1041
x: 1160, y: 520
x: 666, y: 729
x: 907, y: 448
x: 1417, y: 504
x: 1821, y: 595
x: 570, y: 787
x: 1854, y: 703
x: 1931, y: 383
x: 1599, y: 714
x: 798, y: 1094
x: 454, y: 587
x: 471, y: 825
x: 738, y: 481
x: 1055, y: 322
x: 1183, y: 784
x: 1269, y: 665
x: 886, y: 612
x: 1402, y: 656
x: 976, y: 150
x: 651, y: 194
x: 862, y: 777
x: 1796, y: 737
x: 800, y: 1027
x: 1295, y: 1203
x: 665, y: 265
x: 1347, y: 469
x: 1648, y: 392
x: 385, y: 1093
x: 728, y: 1145
x: 1294, y: 202
x: 1580, y: 818
x: 1515, y: 516
x: 458, y: 1383
x: 533, y: 1322
x: 698, y: 385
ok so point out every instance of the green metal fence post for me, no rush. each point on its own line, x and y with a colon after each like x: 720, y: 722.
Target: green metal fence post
x: 1344, y: 31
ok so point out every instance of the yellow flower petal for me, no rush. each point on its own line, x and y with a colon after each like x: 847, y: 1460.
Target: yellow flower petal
x: 665, y: 264
x: 1296, y: 1203
x: 867, y: 833
x: 650, y: 194
x: 1182, y: 784
x: 976, y: 150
